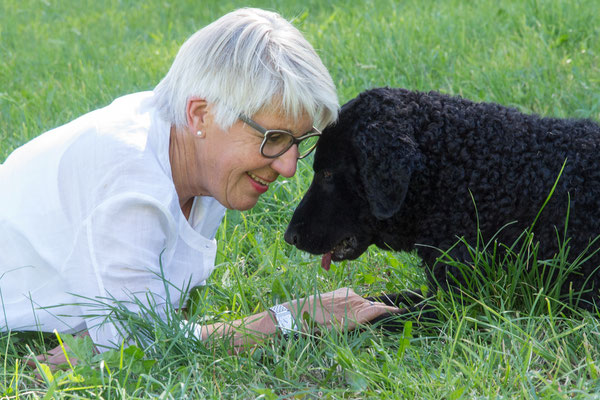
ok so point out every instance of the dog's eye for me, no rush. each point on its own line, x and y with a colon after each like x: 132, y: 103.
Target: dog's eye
x: 326, y: 174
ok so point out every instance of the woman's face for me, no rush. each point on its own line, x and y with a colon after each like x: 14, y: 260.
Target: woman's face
x: 231, y: 167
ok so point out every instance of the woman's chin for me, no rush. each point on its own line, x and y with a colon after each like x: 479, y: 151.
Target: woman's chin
x: 243, y: 204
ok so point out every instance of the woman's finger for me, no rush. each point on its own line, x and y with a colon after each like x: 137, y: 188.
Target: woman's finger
x: 383, y: 306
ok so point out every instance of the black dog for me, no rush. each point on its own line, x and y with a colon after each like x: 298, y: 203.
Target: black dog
x: 404, y: 168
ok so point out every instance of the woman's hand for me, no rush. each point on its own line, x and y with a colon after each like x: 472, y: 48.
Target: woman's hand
x: 56, y: 357
x: 53, y: 358
x: 341, y: 308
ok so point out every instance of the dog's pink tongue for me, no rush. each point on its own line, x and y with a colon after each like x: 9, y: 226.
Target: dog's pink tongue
x: 326, y: 261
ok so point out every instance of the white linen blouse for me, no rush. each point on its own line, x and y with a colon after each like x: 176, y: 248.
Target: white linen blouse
x: 90, y: 209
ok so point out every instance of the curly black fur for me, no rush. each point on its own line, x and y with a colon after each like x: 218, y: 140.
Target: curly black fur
x: 404, y: 168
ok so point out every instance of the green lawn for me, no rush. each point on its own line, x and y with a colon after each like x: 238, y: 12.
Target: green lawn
x: 59, y: 59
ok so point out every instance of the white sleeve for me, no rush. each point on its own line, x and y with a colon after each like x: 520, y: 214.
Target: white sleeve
x: 118, y: 254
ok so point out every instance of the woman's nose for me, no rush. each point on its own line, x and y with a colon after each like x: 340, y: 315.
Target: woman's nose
x: 286, y: 163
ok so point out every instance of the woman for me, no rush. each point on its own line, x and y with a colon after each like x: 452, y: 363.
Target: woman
x: 103, y: 206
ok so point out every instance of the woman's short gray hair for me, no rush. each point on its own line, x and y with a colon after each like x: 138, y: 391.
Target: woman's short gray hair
x: 243, y: 63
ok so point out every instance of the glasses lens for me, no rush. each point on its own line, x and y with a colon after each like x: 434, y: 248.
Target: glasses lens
x: 277, y: 142
x: 307, y: 145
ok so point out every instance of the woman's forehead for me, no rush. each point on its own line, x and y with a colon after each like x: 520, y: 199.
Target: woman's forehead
x: 277, y: 119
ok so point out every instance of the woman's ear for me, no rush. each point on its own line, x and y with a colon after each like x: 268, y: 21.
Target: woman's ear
x: 196, y: 112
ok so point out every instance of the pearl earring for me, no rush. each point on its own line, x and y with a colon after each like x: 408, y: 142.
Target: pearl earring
x: 200, y: 134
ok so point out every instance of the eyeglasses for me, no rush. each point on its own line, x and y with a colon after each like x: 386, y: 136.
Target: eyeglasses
x: 277, y: 141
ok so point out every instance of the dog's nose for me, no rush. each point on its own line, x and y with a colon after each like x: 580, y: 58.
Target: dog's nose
x: 291, y: 236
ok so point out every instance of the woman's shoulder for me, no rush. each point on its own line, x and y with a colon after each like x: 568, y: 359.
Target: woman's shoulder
x: 127, y: 122
x: 121, y: 148
x: 124, y: 150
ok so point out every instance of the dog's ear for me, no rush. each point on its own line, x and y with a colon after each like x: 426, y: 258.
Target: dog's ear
x: 387, y: 158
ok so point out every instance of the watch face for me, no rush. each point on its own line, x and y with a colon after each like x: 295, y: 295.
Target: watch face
x: 285, y: 321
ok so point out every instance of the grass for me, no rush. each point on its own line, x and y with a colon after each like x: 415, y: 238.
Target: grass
x: 59, y: 59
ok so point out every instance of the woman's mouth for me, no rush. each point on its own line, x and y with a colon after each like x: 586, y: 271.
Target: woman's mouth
x: 259, y: 184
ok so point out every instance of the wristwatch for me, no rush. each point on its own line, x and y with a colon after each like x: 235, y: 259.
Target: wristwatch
x: 285, y: 321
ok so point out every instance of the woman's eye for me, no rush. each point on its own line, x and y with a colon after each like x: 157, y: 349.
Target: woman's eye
x: 276, y: 138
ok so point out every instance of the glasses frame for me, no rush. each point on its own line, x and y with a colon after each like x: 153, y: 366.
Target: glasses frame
x: 295, y: 140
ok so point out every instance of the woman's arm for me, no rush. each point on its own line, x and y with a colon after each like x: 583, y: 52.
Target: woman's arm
x: 341, y: 308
